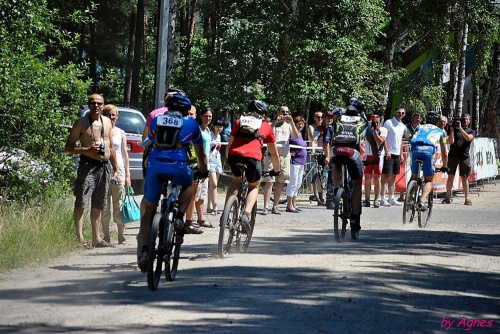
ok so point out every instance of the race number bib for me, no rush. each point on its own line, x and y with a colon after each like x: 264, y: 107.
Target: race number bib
x: 250, y: 122
x: 170, y: 120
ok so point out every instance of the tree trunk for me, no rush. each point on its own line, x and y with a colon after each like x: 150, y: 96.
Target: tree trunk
x: 494, y: 90
x: 452, y: 88
x: 393, y: 8
x: 136, y: 68
x: 92, y: 59
x: 171, y: 42
x: 461, y: 68
x: 475, y: 102
x: 192, y: 30
x: 130, y: 58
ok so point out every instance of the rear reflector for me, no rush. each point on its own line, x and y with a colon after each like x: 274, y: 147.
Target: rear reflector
x: 132, y: 147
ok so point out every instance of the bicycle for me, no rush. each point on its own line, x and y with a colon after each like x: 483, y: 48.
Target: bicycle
x: 413, y: 197
x: 319, y: 181
x: 230, y: 232
x: 343, y: 205
x: 165, y: 239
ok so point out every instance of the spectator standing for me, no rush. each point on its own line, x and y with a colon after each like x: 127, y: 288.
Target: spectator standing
x: 460, y: 139
x: 442, y: 122
x: 416, y: 119
x: 215, y: 167
x: 379, y: 134
x: 94, y: 171
x: 297, y: 163
x: 396, y: 130
x: 117, y: 187
x: 330, y: 117
x: 225, y: 134
x: 315, y: 137
x: 283, y: 128
x: 204, y: 120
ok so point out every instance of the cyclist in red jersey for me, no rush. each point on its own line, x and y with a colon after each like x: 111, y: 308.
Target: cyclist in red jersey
x: 245, y: 147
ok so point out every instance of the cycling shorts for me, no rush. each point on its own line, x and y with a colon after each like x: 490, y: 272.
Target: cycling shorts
x: 426, y: 154
x: 179, y: 171
x: 254, y: 167
x: 351, y: 158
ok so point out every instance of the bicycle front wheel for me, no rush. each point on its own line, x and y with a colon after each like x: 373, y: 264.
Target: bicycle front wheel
x: 242, y: 245
x: 173, y: 249
x: 410, y: 204
x: 319, y: 187
x: 155, y: 251
x: 228, y: 225
x: 340, y: 215
x: 424, y: 218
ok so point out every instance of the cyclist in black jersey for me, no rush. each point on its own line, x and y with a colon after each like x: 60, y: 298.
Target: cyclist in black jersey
x: 342, y: 146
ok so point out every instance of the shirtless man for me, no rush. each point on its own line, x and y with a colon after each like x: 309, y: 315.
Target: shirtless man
x: 94, y: 171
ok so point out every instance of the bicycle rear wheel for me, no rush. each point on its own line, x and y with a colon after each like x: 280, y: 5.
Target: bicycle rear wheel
x: 319, y: 187
x: 228, y: 223
x: 173, y: 247
x: 409, y: 206
x: 424, y: 218
x: 242, y: 245
x: 155, y: 251
x: 340, y: 215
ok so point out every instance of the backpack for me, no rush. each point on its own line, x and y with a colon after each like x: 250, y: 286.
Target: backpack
x: 249, y: 126
x: 349, y: 131
x: 168, y: 128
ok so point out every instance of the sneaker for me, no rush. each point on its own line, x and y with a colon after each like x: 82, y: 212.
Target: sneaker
x: 392, y: 201
x: 330, y: 204
x: 376, y: 203
x: 276, y: 211
x: 422, y: 206
x: 264, y: 212
x: 385, y: 203
x: 312, y: 198
x: 245, y: 222
x: 142, y: 263
x: 366, y: 203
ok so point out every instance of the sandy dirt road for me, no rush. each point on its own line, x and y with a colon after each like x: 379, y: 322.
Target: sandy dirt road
x: 294, y: 279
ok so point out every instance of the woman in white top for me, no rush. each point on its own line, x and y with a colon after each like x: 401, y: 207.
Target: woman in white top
x: 116, y: 187
x: 215, y: 168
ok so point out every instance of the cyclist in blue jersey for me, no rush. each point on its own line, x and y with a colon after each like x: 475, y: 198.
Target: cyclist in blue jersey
x: 169, y: 136
x: 423, y: 146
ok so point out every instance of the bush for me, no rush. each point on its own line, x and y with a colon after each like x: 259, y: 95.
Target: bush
x: 36, y: 94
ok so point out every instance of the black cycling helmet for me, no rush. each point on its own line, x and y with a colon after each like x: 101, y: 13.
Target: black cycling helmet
x: 259, y: 107
x: 338, y: 111
x: 355, y: 105
x: 179, y: 102
x: 432, y: 117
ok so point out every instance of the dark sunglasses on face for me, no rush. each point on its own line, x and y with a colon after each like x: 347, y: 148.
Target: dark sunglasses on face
x: 94, y: 103
x: 400, y: 112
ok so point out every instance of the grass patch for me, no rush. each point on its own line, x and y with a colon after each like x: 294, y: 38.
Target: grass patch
x: 35, y: 232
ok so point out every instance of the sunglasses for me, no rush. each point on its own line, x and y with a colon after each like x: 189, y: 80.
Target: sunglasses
x: 94, y: 103
x: 400, y: 112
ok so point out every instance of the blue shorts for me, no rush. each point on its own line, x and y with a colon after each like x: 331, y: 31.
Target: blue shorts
x: 426, y: 154
x: 179, y: 171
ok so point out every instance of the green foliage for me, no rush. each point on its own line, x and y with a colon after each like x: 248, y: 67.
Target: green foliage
x: 36, y: 96
x: 36, y: 231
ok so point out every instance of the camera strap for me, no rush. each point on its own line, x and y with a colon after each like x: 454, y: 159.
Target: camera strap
x: 92, y: 129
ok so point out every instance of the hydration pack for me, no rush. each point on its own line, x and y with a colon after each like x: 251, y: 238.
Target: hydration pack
x: 168, y: 128
x: 249, y: 126
x: 349, y: 131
